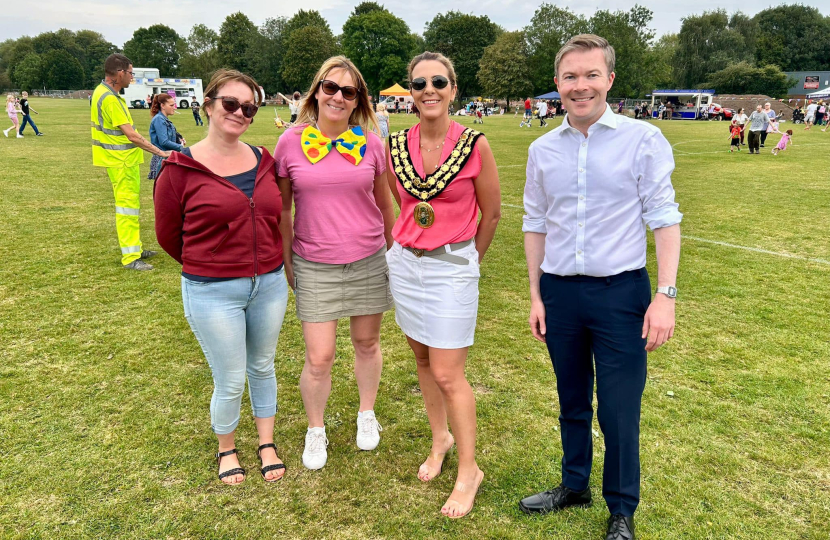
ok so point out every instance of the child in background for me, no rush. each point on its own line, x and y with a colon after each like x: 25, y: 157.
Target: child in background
x: 735, y: 135
x: 786, y: 139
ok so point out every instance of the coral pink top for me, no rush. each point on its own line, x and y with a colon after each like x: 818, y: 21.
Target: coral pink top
x: 456, y: 209
x: 337, y: 220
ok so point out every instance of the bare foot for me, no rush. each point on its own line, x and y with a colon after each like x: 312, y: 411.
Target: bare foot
x: 227, y: 463
x: 463, y: 496
x: 435, y: 461
x: 269, y: 457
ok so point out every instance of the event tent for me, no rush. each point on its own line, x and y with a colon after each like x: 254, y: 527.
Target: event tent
x: 820, y: 94
x: 395, y: 90
x: 549, y: 95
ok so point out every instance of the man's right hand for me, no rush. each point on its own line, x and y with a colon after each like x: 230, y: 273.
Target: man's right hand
x: 537, y: 320
x: 166, y: 154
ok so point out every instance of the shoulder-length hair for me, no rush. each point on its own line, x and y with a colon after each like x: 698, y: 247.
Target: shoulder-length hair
x: 158, y: 101
x: 362, y: 115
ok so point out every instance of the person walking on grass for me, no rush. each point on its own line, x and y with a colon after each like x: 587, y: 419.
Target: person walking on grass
x: 528, y: 117
x: 217, y: 213
x: 590, y: 293
x: 117, y: 146
x: 25, y: 108
x: 543, y: 113
x: 740, y: 119
x: 194, y: 107
x: 441, y: 175
x: 735, y: 137
x: 810, y: 114
x: 331, y: 166
x: 786, y: 138
x: 11, y: 111
x: 757, y: 122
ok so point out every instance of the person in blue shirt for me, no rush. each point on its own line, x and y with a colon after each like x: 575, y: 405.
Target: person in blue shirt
x: 163, y: 133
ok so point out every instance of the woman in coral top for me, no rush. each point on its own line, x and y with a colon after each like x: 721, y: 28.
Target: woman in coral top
x: 332, y: 167
x: 441, y: 175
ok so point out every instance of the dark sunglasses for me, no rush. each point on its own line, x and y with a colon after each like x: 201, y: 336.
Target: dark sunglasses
x: 231, y: 104
x: 330, y: 88
x: 439, y: 82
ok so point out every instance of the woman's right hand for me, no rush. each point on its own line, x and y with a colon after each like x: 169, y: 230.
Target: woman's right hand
x: 289, y: 275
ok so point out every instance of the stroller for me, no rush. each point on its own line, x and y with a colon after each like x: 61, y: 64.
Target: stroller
x: 798, y: 116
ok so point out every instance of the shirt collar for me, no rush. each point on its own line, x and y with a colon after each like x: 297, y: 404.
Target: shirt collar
x: 608, y: 119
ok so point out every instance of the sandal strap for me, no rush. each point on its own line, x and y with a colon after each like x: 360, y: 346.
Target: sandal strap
x: 232, y: 472
x: 266, y: 445
x: 275, y: 467
x: 227, y: 453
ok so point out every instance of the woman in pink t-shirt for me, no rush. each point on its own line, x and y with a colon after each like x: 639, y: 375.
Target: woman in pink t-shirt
x: 441, y: 175
x: 332, y: 166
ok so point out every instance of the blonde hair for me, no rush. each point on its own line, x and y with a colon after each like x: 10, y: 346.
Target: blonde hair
x: 9, y: 97
x: 587, y: 42
x: 380, y: 107
x: 362, y: 115
x: 222, y: 77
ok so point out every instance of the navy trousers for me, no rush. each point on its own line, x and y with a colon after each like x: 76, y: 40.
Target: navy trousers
x: 595, y: 324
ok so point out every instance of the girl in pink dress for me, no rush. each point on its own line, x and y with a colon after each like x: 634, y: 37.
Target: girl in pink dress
x: 786, y: 139
x: 12, y: 111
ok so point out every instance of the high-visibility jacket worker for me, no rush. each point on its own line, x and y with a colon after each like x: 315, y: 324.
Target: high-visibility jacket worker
x: 118, y: 147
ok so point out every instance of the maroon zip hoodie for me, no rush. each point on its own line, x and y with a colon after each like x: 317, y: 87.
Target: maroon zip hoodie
x: 211, y: 227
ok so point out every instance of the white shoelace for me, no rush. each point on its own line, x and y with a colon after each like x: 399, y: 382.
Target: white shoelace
x: 318, y: 443
x: 366, y: 425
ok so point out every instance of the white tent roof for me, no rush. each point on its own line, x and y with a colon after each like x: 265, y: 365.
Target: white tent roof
x: 819, y: 94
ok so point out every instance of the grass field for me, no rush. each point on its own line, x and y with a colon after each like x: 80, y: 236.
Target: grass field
x: 104, y: 392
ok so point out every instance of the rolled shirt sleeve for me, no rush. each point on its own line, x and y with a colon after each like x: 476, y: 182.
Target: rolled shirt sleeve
x: 535, y: 202
x: 654, y: 184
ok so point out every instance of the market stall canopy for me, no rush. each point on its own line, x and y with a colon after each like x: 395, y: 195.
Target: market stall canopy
x: 820, y: 94
x: 549, y: 95
x: 395, y: 90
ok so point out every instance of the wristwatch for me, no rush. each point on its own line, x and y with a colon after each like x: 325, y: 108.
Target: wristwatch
x: 669, y: 291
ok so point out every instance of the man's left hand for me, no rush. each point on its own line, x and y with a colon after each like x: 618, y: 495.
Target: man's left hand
x: 659, y: 322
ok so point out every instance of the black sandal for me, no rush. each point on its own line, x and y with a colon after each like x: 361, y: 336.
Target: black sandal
x: 269, y: 468
x: 229, y: 472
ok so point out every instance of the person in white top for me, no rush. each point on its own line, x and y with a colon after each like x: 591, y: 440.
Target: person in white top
x: 543, y: 112
x: 593, y: 185
x: 293, y: 105
x: 810, y: 115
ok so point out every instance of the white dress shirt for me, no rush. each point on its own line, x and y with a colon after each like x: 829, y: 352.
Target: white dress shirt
x: 593, y: 196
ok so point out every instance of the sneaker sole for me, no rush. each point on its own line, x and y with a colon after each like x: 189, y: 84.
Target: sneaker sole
x: 531, y: 511
x: 367, y: 448
x: 314, y: 468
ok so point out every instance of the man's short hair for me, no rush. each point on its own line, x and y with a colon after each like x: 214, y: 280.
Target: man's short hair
x: 115, y: 63
x: 586, y: 42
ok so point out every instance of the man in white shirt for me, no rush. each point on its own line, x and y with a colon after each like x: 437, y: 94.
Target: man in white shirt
x: 810, y: 116
x: 543, y: 112
x: 593, y: 185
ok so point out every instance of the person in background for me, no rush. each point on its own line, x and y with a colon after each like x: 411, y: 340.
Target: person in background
x: 12, y: 110
x: 383, y: 120
x: 810, y: 114
x: 332, y: 167
x: 218, y: 209
x: 27, y: 118
x: 194, y: 107
x: 117, y: 146
x: 820, y: 113
x: 757, y: 122
x: 293, y: 105
x: 543, y: 113
x: 528, y: 117
x: 740, y: 119
x: 163, y: 133
x: 770, y: 119
x: 735, y: 136
x: 661, y: 111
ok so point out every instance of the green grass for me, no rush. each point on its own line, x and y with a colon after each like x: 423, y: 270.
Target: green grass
x: 104, y: 391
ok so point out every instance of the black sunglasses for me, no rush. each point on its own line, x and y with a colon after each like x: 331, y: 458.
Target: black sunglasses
x: 231, y: 104
x: 439, y: 82
x: 331, y: 88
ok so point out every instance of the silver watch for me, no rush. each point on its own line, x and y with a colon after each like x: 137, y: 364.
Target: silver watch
x: 669, y: 291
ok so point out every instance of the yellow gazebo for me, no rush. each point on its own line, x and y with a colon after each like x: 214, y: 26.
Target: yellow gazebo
x: 395, y: 90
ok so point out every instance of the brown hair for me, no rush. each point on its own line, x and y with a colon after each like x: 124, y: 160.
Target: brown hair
x: 438, y: 57
x: 222, y: 77
x: 587, y: 42
x: 158, y: 101
x: 115, y: 63
x: 362, y: 115
x: 790, y: 132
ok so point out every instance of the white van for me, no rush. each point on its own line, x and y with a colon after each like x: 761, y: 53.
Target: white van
x: 147, y: 83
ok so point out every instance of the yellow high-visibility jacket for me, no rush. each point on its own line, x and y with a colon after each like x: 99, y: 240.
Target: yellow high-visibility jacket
x: 110, y: 147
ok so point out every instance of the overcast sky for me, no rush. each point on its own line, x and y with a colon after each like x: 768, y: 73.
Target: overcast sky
x: 117, y: 19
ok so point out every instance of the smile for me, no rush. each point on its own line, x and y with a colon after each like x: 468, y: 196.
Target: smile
x: 431, y: 101
x: 330, y: 106
x: 580, y: 100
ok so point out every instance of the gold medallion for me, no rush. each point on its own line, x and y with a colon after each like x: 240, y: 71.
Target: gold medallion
x: 424, y: 215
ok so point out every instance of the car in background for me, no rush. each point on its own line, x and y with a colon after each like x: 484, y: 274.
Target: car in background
x: 723, y: 113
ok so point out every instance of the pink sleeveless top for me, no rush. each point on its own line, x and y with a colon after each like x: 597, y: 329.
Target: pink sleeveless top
x: 456, y: 209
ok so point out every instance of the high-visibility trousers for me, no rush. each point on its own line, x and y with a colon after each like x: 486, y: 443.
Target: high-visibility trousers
x: 126, y: 186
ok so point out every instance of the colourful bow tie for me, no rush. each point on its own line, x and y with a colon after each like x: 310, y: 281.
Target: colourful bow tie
x: 351, y: 144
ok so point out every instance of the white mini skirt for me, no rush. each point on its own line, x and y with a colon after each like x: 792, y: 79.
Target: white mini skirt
x: 436, y: 301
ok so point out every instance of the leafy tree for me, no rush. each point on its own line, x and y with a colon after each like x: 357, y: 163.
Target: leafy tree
x: 420, y: 44
x: 462, y: 38
x: 549, y: 29
x: 234, y: 41
x: 711, y: 42
x: 659, y: 62
x: 265, y: 55
x: 630, y: 36
x: 380, y: 45
x: 200, y: 58
x: 744, y: 78
x: 94, y: 50
x: 28, y: 74
x: 795, y: 37
x: 366, y: 7
x: 12, y: 52
x: 504, y: 71
x: 157, y: 46
x: 63, y: 71
x: 63, y: 39
x: 307, y: 49
x: 303, y: 18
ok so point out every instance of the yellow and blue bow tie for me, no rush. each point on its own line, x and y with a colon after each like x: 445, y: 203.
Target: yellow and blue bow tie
x: 351, y: 144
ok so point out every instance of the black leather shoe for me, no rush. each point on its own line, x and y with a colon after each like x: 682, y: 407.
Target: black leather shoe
x: 620, y: 528
x: 554, y: 500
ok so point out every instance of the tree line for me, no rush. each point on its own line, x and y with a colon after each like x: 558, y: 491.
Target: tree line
x: 731, y: 53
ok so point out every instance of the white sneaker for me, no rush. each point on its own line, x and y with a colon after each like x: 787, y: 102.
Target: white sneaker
x: 19, y: 136
x: 314, y: 454
x: 6, y: 132
x: 368, y: 430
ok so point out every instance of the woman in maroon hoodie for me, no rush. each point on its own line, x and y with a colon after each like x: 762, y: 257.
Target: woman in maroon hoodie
x: 217, y: 213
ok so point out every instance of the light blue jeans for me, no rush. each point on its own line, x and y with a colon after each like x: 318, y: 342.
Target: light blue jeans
x: 237, y: 323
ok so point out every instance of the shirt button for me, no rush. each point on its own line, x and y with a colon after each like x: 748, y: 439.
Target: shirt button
x: 584, y: 144
x: 582, y: 197
x: 581, y: 170
x: 580, y: 224
x: 579, y: 252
